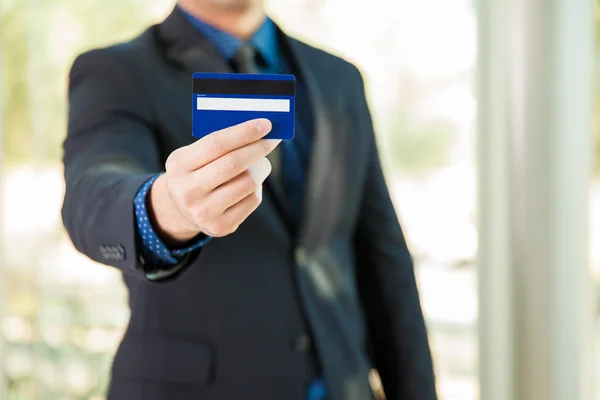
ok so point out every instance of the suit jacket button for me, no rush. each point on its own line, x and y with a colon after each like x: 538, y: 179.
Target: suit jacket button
x: 302, y: 343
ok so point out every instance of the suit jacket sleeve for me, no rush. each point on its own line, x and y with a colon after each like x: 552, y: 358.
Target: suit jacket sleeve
x: 109, y: 152
x: 387, y: 285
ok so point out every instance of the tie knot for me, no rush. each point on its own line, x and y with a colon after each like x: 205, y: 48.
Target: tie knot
x: 245, y: 60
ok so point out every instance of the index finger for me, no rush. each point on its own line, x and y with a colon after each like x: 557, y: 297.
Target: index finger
x: 217, y: 144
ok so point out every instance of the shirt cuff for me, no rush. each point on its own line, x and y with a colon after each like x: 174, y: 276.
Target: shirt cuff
x: 154, y: 251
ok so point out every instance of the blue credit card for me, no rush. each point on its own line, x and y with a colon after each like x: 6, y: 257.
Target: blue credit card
x: 223, y: 100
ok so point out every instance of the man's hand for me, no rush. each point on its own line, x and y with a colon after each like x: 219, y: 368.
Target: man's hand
x: 214, y: 184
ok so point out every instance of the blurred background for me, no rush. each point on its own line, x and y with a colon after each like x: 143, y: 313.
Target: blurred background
x: 61, y: 316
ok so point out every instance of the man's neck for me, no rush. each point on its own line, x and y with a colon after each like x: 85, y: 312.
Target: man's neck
x: 241, y: 23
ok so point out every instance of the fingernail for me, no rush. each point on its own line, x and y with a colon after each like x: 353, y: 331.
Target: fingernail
x: 259, y: 192
x: 263, y: 125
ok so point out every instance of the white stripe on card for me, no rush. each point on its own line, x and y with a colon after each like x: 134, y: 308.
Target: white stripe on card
x: 241, y: 104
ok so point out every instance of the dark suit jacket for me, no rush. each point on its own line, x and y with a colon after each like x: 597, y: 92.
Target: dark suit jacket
x: 252, y: 315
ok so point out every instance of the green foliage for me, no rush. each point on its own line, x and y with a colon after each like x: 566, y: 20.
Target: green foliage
x: 39, y: 41
x: 413, y: 146
x: 14, y: 80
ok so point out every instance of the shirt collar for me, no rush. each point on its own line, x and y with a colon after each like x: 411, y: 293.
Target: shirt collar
x: 264, y: 39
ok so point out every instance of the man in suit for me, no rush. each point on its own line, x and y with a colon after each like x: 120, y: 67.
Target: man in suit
x: 295, y: 291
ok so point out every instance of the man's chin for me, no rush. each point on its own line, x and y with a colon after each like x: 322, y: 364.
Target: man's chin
x: 238, y: 5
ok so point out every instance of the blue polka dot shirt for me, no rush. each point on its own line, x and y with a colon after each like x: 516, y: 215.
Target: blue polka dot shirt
x: 155, y: 252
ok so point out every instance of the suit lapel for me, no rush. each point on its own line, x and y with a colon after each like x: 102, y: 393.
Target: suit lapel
x: 192, y: 52
x: 318, y: 216
x: 186, y: 46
